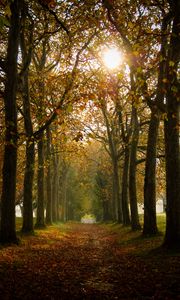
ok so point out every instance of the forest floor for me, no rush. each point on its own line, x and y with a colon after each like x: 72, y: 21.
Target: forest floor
x: 83, y: 261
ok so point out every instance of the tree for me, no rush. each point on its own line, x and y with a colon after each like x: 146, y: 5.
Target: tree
x: 172, y: 143
x: 101, y: 192
x: 8, y: 233
x: 115, y: 157
x: 150, y: 226
x: 48, y: 178
x: 135, y: 224
x: 132, y: 48
x: 26, y: 50
x: 141, y: 23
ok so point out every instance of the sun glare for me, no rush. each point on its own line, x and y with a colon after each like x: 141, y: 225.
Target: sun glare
x: 112, y: 58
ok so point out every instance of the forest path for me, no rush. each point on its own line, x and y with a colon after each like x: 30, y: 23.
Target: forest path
x: 83, y: 261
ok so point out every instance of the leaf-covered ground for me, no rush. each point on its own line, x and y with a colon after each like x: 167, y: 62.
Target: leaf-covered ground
x: 81, y: 261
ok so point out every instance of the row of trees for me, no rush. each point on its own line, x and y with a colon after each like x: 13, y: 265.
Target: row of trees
x: 158, y: 87
x: 56, y: 92
x: 31, y: 91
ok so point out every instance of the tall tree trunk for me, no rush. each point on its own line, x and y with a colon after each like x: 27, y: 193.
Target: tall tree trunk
x: 125, y: 185
x: 114, y: 199
x: 48, y: 180
x: 106, y: 216
x: 27, y: 226
x: 116, y: 187
x: 40, y: 223
x: 64, y: 196
x: 150, y: 224
x: 135, y: 225
x: 57, y: 189
x: 54, y: 189
x: 172, y: 142
x: 8, y: 230
x: 28, y: 187
x: 49, y: 197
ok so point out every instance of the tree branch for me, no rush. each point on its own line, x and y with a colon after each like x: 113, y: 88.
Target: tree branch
x: 69, y: 85
x: 60, y: 22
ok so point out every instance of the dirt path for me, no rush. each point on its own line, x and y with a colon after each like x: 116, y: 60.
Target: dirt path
x: 84, y: 262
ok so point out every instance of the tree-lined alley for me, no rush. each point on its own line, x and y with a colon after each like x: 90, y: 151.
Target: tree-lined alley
x: 78, y: 137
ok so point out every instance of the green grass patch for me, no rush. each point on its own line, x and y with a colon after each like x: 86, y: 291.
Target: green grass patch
x: 133, y: 241
x: 161, y: 222
x: 18, y: 223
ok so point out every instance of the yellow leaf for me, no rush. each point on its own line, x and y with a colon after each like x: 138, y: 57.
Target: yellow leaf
x: 7, y: 10
x: 130, y: 25
x: 171, y: 63
x: 165, y: 80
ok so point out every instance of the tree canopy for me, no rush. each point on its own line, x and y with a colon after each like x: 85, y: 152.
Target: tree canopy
x: 89, y: 108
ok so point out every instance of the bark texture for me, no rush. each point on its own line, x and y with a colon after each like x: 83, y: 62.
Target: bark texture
x: 40, y: 221
x: 8, y: 232
x: 125, y: 190
x: 172, y: 141
x: 135, y: 224
x: 150, y: 223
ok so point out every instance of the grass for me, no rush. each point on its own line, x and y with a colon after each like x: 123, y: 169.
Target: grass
x: 161, y: 222
x: 133, y: 241
x: 18, y: 223
x: 128, y: 239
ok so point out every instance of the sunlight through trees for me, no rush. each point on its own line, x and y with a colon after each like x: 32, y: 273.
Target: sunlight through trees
x: 89, y: 113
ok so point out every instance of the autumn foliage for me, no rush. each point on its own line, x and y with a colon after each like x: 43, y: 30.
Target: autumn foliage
x: 79, y: 136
